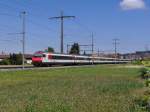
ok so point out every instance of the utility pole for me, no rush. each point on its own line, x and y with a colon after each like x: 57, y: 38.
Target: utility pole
x: 98, y: 52
x: 92, y: 43
x: 115, y: 42
x: 23, y: 15
x: 23, y: 39
x: 62, y: 17
x: 67, y: 48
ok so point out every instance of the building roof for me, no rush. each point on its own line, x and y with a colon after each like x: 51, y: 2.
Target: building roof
x: 27, y: 56
x: 4, y: 56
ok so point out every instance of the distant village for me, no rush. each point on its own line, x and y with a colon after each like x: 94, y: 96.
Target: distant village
x: 138, y: 55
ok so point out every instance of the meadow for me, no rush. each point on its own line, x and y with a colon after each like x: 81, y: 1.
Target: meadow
x: 102, y: 88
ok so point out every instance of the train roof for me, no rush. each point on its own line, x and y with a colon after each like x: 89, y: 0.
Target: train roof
x: 72, y: 55
x: 80, y: 56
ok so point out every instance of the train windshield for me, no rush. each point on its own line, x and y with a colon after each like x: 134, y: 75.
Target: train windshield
x: 39, y: 55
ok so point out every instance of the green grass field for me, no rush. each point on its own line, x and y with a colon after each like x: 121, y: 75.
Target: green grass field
x: 103, y: 88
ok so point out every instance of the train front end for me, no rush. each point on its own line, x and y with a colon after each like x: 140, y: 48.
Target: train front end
x: 37, y: 59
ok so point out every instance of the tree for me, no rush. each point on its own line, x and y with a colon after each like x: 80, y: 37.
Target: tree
x: 19, y: 59
x: 15, y: 59
x: 84, y: 53
x: 50, y: 49
x: 75, y: 49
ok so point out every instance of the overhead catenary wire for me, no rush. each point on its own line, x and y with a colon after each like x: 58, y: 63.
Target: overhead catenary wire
x: 29, y: 19
x: 9, y: 7
x: 7, y: 14
x: 40, y: 26
x: 87, y: 30
x: 31, y: 35
x: 84, y: 27
x: 6, y: 40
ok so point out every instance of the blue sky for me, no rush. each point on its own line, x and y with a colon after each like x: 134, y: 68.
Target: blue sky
x: 127, y: 20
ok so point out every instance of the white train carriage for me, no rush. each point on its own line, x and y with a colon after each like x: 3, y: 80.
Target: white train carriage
x: 48, y: 59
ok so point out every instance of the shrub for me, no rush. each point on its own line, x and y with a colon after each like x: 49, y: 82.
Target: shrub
x: 137, y: 62
x: 143, y: 73
x: 5, y: 62
x: 146, y: 63
x: 15, y: 59
x: 144, y: 101
x: 147, y: 82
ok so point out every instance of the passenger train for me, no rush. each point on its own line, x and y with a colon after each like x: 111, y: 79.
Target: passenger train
x: 48, y: 59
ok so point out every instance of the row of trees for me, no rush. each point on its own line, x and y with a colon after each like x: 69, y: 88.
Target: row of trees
x: 14, y: 59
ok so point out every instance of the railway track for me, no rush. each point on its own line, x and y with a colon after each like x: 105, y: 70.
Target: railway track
x: 14, y: 66
x: 30, y: 67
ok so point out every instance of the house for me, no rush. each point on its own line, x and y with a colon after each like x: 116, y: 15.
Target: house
x: 138, y: 55
x: 4, y: 56
x: 28, y: 58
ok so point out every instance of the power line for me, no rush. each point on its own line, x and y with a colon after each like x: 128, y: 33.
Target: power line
x: 7, y: 14
x: 47, y: 28
x: 6, y: 40
x: 8, y: 6
x: 92, y: 43
x: 16, y: 9
x: 41, y: 25
x: 34, y: 37
x: 86, y: 28
x: 62, y: 17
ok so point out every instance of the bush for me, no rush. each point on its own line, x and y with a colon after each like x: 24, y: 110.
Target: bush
x: 15, y: 59
x: 147, y: 82
x: 143, y: 73
x: 144, y: 101
x: 137, y: 62
x: 5, y: 62
x: 146, y: 63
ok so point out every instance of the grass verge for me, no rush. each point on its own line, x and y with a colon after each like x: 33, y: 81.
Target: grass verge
x: 104, y: 88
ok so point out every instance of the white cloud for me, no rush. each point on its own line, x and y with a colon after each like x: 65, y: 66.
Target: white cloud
x: 132, y: 4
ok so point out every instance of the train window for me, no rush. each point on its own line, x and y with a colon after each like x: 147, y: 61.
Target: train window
x: 38, y: 55
x: 102, y: 59
x: 49, y: 57
x: 55, y: 57
x: 69, y: 58
x: 81, y: 58
x: 88, y: 58
x: 78, y: 58
x: 44, y: 55
x: 63, y: 57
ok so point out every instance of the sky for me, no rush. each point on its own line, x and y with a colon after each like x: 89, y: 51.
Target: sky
x: 127, y: 20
